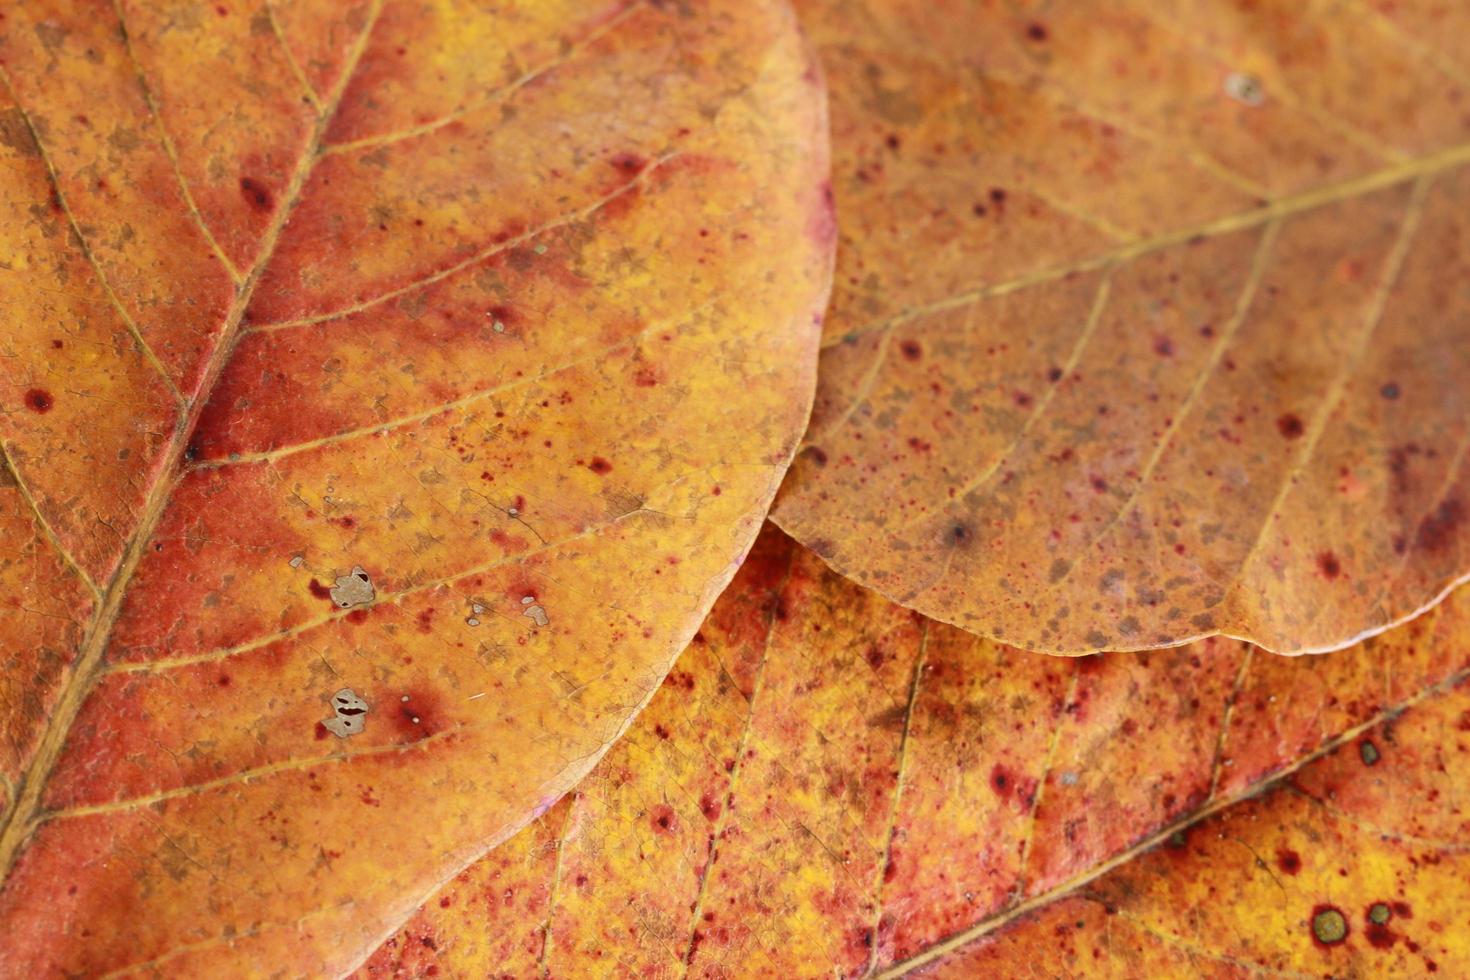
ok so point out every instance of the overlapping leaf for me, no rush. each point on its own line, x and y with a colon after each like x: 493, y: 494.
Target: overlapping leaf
x: 439, y: 355
x: 828, y: 781
x: 1150, y: 319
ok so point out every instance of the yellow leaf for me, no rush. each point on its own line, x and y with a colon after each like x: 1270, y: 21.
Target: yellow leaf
x: 389, y: 390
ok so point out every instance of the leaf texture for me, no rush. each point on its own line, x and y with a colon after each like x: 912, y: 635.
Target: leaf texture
x: 828, y: 784
x: 421, y: 360
x: 1149, y: 321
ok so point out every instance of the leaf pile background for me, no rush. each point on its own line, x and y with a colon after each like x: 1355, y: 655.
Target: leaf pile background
x: 438, y: 362
x: 828, y: 782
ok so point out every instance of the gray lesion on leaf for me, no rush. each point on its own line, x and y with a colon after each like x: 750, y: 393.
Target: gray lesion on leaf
x: 1245, y: 88
x: 348, y: 714
x: 535, y: 611
x: 353, y: 589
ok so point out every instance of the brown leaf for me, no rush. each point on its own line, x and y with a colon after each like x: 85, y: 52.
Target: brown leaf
x: 1149, y: 320
x: 828, y: 782
x: 390, y: 388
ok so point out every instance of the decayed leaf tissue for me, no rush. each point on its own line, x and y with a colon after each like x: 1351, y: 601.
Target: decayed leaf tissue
x: 393, y: 395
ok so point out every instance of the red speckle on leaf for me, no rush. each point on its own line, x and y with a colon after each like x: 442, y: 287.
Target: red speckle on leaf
x: 663, y: 818
x: 320, y: 591
x: 911, y: 350
x: 710, y: 807
x: 1288, y: 861
x: 1163, y: 346
x: 1329, y: 565
x: 600, y: 466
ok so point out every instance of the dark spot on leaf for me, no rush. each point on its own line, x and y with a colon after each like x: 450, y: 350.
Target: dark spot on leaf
x: 1163, y: 346
x: 255, y: 193
x: 911, y: 350
x: 1288, y: 861
x: 1329, y: 565
x: 628, y: 163
x: 1369, y: 753
x: 1036, y: 31
x: 1290, y: 426
x: 39, y: 400
x: 1389, y: 391
x: 663, y: 819
x: 600, y: 466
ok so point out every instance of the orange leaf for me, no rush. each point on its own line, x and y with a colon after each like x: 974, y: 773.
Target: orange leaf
x: 389, y: 390
x: 1148, y: 322
x: 829, y: 781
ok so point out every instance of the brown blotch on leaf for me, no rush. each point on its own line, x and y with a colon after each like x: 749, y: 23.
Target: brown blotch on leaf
x: 39, y: 400
x: 1441, y: 527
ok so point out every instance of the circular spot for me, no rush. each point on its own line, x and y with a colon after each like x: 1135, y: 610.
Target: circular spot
x: 1389, y: 391
x: 1329, y: 926
x: 1379, y: 914
x: 1369, y: 753
x: 39, y: 400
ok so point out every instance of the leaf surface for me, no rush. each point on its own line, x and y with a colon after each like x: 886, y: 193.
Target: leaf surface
x: 389, y: 390
x: 828, y: 781
x: 1149, y: 321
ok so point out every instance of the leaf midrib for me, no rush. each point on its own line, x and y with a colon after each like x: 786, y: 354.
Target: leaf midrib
x: 19, y: 821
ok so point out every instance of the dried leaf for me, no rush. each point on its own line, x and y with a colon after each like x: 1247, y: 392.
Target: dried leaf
x: 390, y: 389
x: 827, y: 781
x: 1342, y: 870
x: 1149, y: 320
